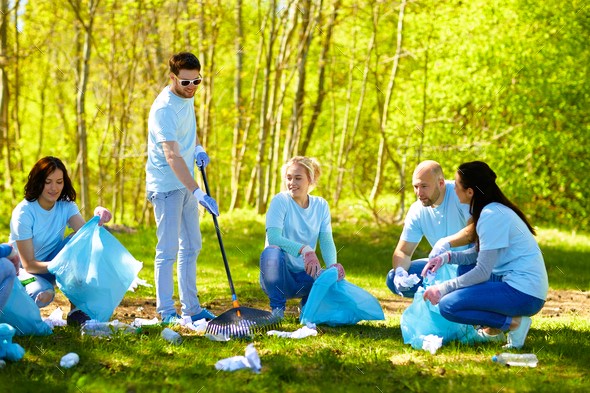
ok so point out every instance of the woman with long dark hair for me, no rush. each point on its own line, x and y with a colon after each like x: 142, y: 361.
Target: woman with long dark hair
x: 507, y: 282
x: 37, y: 228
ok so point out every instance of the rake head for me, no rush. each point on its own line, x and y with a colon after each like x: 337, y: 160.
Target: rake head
x: 243, y: 322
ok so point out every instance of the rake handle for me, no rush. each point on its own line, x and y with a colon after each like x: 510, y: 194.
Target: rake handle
x: 229, y: 279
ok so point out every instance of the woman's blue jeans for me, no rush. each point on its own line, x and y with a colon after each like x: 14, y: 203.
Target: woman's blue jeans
x: 492, y: 304
x: 35, y: 284
x: 278, y: 282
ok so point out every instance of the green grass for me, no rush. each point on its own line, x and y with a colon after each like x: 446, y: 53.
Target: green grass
x: 366, y: 357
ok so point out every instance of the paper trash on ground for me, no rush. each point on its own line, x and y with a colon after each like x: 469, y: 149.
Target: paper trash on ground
x: 251, y: 361
x: 432, y: 343
x: 56, y: 318
x: 306, y: 331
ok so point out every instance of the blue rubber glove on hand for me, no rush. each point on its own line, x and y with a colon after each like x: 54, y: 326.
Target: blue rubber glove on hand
x: 440, y: 247
x: 201, y: 158
x: 206, y: 201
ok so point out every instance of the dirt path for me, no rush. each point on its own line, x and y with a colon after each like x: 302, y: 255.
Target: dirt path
x: 559, y: 303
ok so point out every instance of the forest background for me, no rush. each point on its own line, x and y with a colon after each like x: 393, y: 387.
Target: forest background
x: 370, y: 88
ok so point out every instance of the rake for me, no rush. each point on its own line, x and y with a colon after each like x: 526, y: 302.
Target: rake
x: 239, y: 321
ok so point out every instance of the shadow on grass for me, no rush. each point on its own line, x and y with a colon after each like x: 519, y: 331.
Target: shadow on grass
x: 567, y: 269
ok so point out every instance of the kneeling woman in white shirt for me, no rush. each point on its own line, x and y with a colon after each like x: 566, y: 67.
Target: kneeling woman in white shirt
x: 508, y: 280
x: 295, y: 223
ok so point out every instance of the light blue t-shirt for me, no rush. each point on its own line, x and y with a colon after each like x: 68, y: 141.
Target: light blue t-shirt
x: 520, y: 261
x: 436, y: 222
x: 46, y: 227
x: 298, y: 224
x: 171, y: 118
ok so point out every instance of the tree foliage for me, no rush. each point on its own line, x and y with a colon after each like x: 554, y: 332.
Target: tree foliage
x: 503, y: 82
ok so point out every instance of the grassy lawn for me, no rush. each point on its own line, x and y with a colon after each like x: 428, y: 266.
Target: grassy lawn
x: 369, y: 357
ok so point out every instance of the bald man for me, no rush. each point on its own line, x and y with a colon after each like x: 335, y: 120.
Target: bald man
x: 437, y: 215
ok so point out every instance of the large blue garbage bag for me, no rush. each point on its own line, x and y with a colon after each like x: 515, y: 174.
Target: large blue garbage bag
x: 21, y: 312
x: 94, y: 271
x: 332, y: 302
x: 422, y: 318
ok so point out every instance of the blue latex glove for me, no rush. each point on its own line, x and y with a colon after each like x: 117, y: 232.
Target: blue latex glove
x: 207, y: 202
x: 201, y: 157
x: 440, y: 247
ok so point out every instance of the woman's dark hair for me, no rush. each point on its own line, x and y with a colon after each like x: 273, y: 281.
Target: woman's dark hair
x: 42, y: 169
x: 478, y: 176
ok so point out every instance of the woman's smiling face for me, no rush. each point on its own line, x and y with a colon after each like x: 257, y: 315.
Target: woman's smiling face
x: 297, y: 181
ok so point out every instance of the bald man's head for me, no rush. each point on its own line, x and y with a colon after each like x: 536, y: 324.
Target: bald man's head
x: 429, y: 183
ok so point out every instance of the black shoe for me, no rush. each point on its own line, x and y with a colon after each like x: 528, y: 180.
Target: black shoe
x: 77, y: 318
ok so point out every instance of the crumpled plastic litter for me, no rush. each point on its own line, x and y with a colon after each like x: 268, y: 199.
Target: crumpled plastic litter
x: 199, y: 326
x: 251, y: 360
x: 308, y: 330
x: 410, y: 280
x: 431, y: 343
x: 105, y: 329
x: 69, y: 360
x: 2, y: 363
x: 55, y: 318
x: 137, y: 282
x: 139, y: 322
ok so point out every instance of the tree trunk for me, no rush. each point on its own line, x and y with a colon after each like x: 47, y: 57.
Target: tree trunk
x: 4, y: 98
x: 346, y: 141
x: 238, y: 102
x: 385, y: 112
x: 83, y: 73
x: 19, y: 165
x: 317, y: 108
x: 305, y: 37
x: 264, y: 118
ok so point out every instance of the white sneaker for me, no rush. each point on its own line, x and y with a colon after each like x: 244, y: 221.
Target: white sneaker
x: 485, y: 337
x: 516, y: 337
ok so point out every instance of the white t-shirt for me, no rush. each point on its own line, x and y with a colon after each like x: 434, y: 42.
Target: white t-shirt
x: 171, y: 118
x: 46, y: 227
x: 436, y: 222
x: 520, y: 261
x: 298, y: 224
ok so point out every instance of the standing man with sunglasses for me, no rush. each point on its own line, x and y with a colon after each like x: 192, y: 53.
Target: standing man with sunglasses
x: 173, y: 148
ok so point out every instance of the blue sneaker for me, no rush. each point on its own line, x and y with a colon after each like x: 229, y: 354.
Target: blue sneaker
x: 208, y: 315
x: 516, y: 337
x: 278, y: 312
x: 171, y: 319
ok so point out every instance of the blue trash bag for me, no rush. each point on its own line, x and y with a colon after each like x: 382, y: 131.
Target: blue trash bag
x: 94, y: 271
x: 21, y: 312
x: 422, y: 318
x: 334, y: 303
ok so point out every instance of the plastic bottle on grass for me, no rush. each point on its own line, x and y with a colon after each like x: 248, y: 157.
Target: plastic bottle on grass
x: 516, y: 359
x: 171, y: 336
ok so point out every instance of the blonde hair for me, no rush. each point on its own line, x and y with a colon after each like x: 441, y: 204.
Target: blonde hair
x: 311, y: 165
